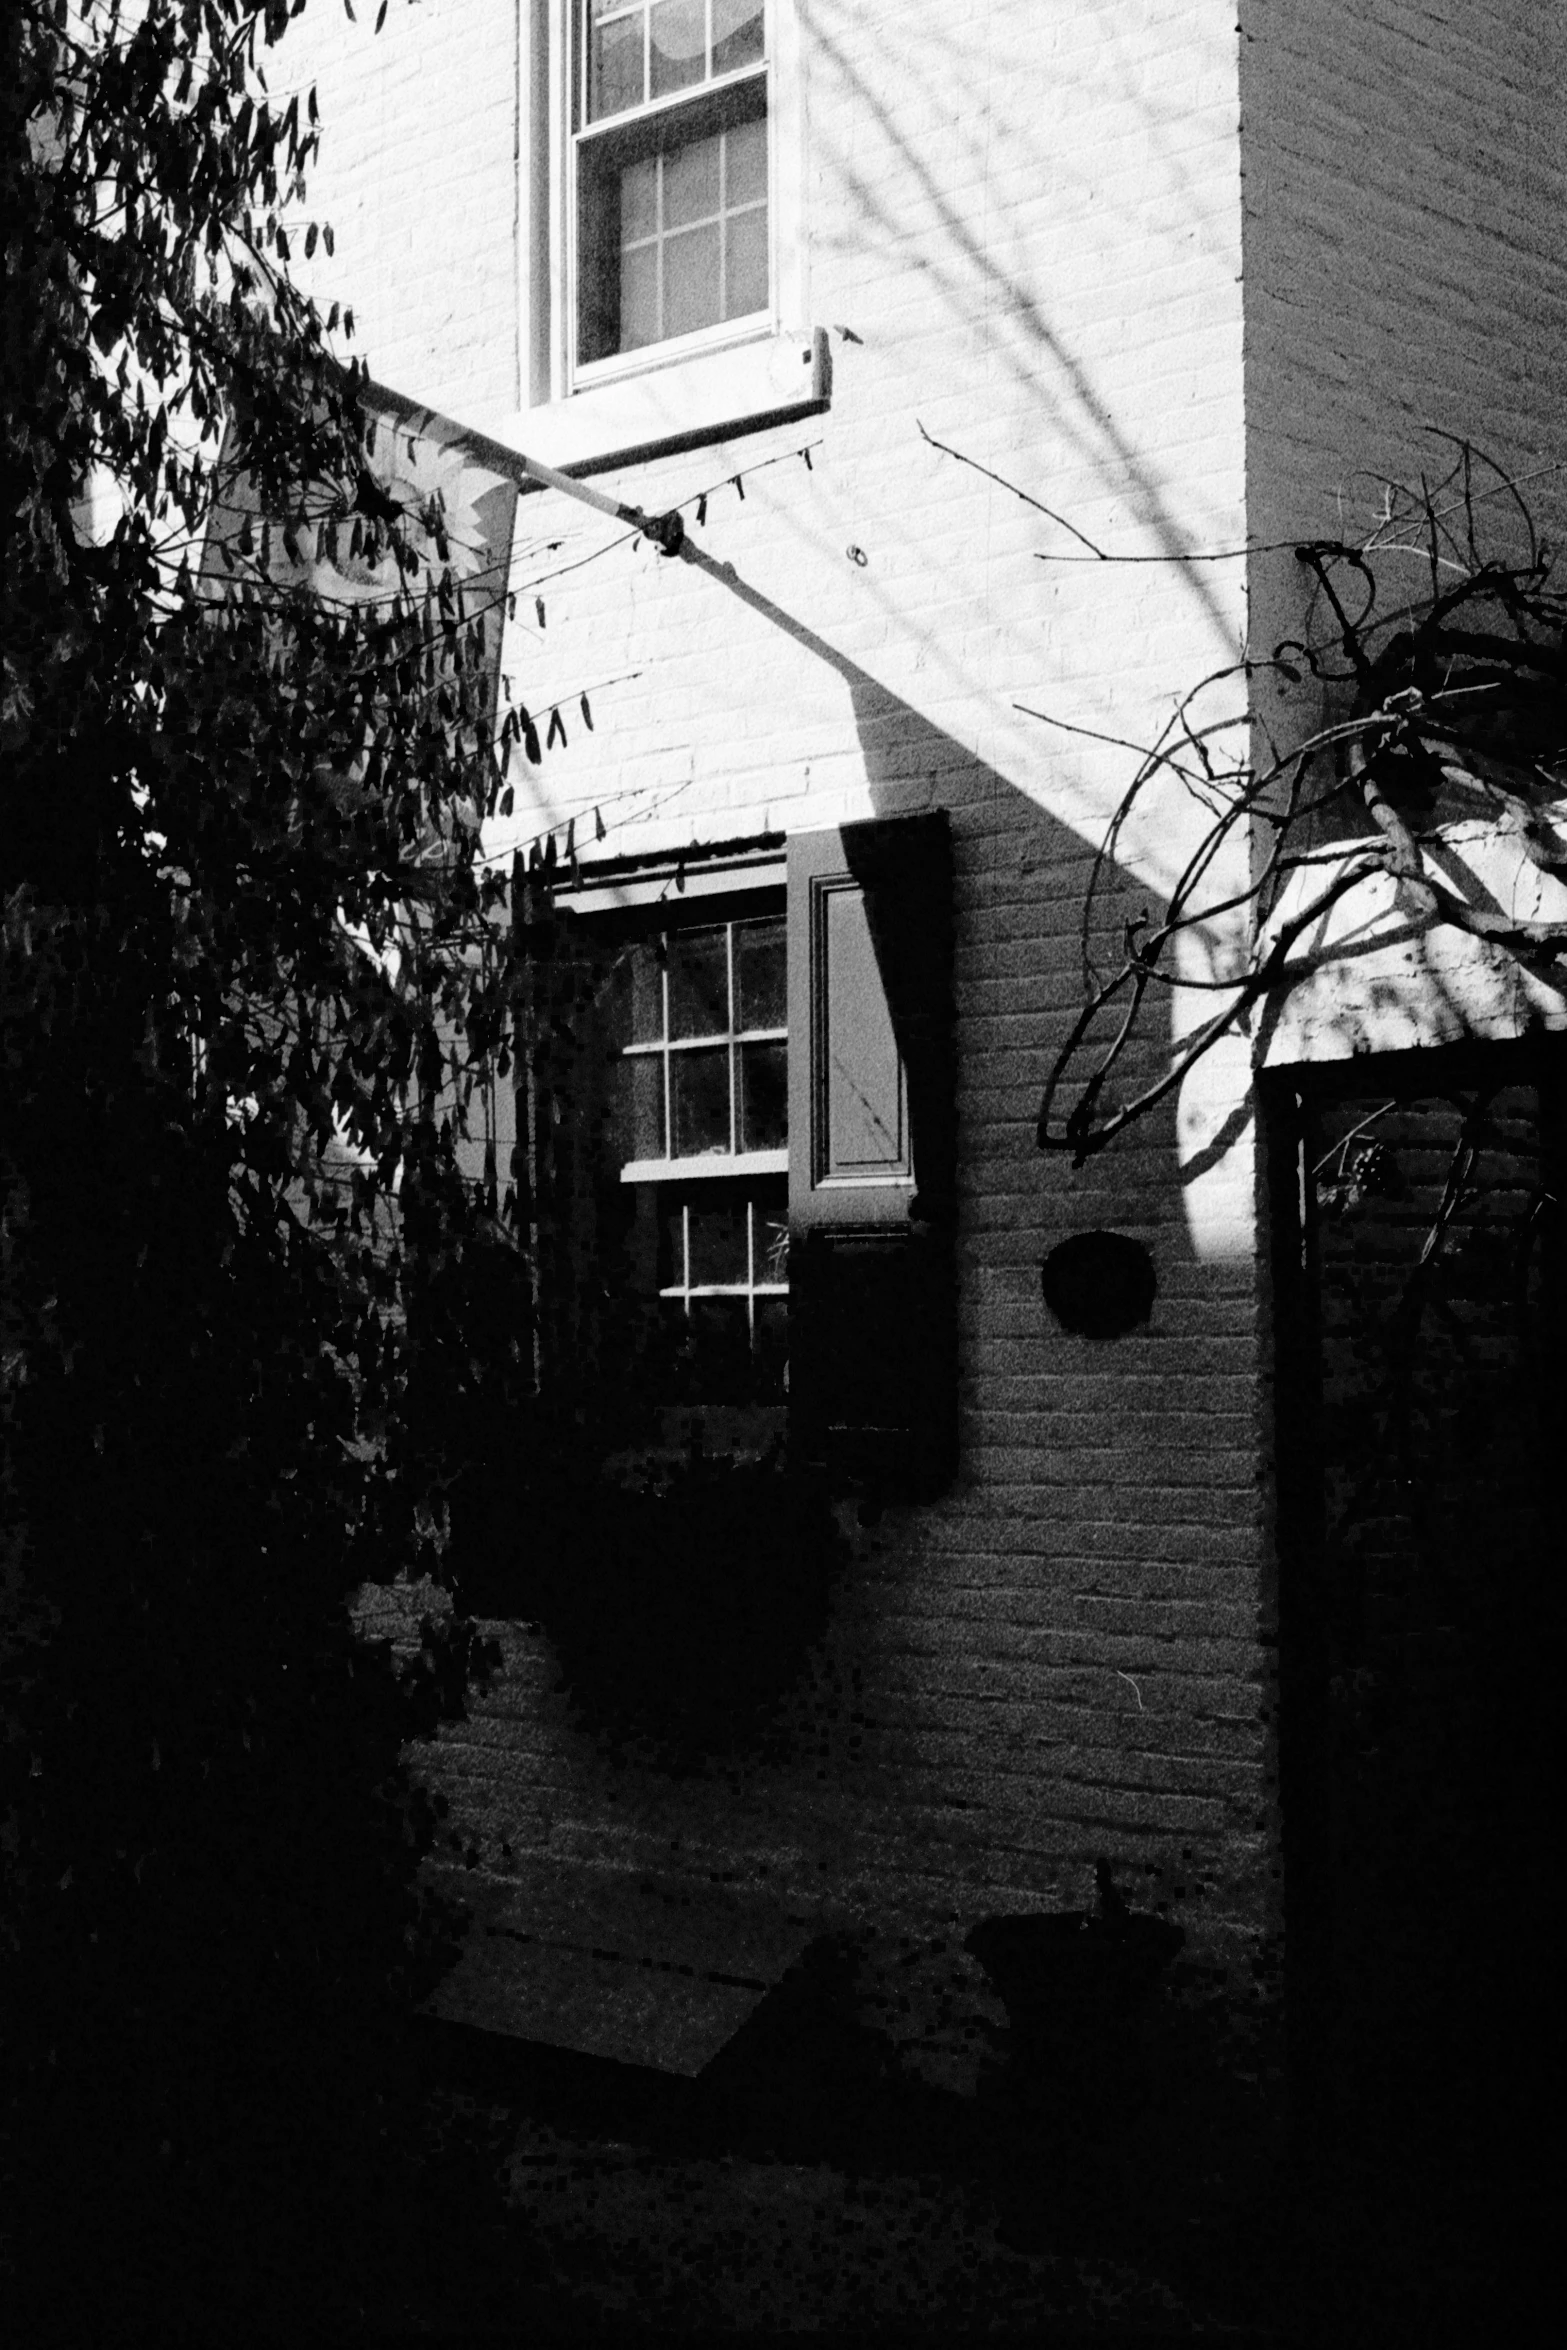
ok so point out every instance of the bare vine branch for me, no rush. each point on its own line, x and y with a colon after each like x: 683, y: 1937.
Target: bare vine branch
x: 1450, y: 703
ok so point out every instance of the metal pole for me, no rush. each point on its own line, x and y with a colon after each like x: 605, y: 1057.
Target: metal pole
x: 667, y: 531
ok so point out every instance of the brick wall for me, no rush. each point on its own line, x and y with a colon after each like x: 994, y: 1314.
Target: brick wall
x: 1405, y: 188
x: 418, y: 180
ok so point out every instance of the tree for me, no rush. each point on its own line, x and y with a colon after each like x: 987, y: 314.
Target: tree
x: 253, y: 961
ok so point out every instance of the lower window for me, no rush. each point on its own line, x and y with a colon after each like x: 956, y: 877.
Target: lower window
x: 740, y: 1157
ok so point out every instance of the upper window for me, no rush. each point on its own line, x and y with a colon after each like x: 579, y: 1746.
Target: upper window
x: 671, y: 173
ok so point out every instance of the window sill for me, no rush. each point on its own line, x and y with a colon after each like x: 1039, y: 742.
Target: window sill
x: 740, y: 1436
x: 730, y: 1163
x: 707, y: 396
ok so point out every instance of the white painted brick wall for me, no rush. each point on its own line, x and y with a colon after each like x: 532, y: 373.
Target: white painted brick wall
x: 1030, y: 216
x: 1406, y: 188
x: 417, y: 177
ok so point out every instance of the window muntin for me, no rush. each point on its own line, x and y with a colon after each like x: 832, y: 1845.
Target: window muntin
x: 673, y: 236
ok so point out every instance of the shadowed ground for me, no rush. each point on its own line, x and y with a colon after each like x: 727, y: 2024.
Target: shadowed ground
x: 804, y: 2183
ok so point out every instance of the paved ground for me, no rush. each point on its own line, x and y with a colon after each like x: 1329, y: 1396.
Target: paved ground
x: 634, y: 2215
x: 640, y: 2208
x: 813, y: 2180
x: 733, y: 2246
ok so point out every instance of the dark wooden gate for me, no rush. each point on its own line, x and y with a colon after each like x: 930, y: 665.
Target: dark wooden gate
x: 1421, y: 1447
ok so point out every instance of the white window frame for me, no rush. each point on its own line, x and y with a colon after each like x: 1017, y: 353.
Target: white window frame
x: 733, y: 376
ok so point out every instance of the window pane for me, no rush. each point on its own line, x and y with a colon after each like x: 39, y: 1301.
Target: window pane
x: 745, y: 263
x: 641, y: 1118
x: 684, y: 1385
x: 699, y: 1092
x: 639, y: 200
x: 719, y: 1249
x: 598, y: 253
x: 691, y: 290
x: 720, y: 1343
x: 647, y: 995
x: 671, y: 1237
x: 771, y: 1346
x: 737, y: 33
x: 761, y: 975
x: 679, y: 44
x: 764, y: 1097
x: 772, y: 1232
x: 691, y: 183
x: 745, y: 163
x: 699, y: 983
x: 615, y: 66
x: 639, y: 297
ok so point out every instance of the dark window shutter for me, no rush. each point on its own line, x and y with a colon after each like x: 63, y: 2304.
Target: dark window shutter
x: 570, y: 1203
x: 872, y: 1370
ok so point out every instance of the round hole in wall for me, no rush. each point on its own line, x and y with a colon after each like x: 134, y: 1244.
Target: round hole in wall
x: 1099, y: 1284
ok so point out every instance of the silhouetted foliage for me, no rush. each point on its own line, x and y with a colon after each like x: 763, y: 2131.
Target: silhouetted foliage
x: 248, y: 971
x: 682, y: 1610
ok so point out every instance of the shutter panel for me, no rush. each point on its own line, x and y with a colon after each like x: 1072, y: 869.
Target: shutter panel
x: 565, y: 1168
x: 872, y: 1368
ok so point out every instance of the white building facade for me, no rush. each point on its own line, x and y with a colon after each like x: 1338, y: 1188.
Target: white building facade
x: 838, y: 279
